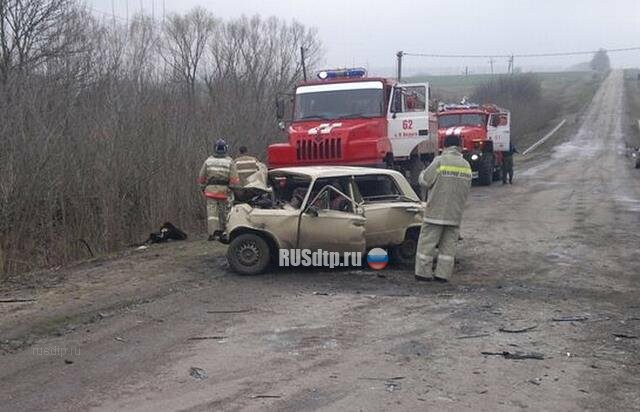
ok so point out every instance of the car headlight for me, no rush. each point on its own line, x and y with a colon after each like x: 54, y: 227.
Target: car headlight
x: 474, y: 157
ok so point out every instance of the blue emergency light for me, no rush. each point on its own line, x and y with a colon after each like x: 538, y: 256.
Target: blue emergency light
x: 342, y: 73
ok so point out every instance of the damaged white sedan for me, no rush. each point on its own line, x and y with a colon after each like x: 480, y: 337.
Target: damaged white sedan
x: 330, y: 208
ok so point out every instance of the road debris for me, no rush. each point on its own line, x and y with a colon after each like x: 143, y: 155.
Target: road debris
x: 535, y: 381
x: 395, y: 378
x: 230, y: 311
x: 119, y: 339
x: 515, y: 355
x: 321, y: 293
x: 102, y: 315
x: 16, y: 300
x: 392, y: 387
x: 570, y: 318
x: 198, y: 373
x: 516, y: 330
x: 625, y: 336
x: 207, y: 337
x: 479, y: 335
x: 68, y: 361
x: 265, y: 396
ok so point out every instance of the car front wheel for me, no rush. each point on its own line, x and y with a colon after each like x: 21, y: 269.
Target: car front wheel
x: 248, y: 254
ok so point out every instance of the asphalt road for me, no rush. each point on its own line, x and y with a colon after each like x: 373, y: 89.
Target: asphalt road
x: 549, y: 268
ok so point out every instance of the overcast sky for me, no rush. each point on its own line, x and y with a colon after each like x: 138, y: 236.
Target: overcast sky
x: 370, y: 32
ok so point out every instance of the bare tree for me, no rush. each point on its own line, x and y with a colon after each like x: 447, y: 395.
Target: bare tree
x: 186, y: 38
x: 100, y: 144
x: 34, y: 31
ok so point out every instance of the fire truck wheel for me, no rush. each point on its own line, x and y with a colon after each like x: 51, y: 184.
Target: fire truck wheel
x: 248, y: 254
x: 485, y: 172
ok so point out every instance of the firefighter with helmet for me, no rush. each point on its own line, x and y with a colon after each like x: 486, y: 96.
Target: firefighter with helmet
x: 448, y: 181
x: 216, y: 174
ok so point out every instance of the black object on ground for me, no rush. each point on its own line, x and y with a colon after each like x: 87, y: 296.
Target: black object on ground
x: 16, y: 300
x: 570, y: 318
x: 516, y: 355
x: 198, y: 373
x: 229, y: 311
x: 167, y: 232
x: 207, y: 337
x: 625, y: 335
x: 517, y: 330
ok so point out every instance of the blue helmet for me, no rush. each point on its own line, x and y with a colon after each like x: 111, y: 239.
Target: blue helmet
x: 220, y: 148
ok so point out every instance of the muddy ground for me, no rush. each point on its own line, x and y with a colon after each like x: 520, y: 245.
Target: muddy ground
x: 554, y: 257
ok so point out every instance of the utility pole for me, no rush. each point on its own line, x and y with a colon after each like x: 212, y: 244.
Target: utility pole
x: 466, y: 71
x: 510, y: 70
x: 399, y: 66
x: 491, y: 63
x: 304, y: 66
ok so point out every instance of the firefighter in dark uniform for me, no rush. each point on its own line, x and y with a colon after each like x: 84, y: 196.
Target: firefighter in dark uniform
x: 507, y: 164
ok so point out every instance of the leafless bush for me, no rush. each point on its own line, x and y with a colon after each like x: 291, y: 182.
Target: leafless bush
x: 105, y: 125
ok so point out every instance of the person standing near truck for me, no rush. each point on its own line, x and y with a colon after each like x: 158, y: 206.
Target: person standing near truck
x: 216, y: 174
x: 507, y: 164
x: 245, y: 165
x: 448, y: 181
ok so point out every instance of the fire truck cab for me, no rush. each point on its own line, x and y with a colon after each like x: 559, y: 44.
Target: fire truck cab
x: 347, y: 118
x: 484, y: 131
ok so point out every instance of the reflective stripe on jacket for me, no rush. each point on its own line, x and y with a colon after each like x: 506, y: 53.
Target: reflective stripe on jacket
x: 216, y: 174
x: 448, y: 179
x: 245, y: 166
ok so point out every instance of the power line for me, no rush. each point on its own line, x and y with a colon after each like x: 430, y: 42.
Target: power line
x: 490, y: 56
x: 105, y: 13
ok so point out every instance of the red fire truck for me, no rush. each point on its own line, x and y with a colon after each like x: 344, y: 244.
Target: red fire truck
x: 347, y: 118
x: 484, y: 131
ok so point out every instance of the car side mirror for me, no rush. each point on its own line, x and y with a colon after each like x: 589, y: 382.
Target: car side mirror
x: 279, y: 109
x: 312, y: 210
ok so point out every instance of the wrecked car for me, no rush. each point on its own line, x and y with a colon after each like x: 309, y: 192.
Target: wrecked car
x: 332, y: 208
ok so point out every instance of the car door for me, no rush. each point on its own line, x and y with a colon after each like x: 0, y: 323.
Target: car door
x: 498, y: 130
x: 388, y: 213
x: 327, y: 224
x: 408, y: 117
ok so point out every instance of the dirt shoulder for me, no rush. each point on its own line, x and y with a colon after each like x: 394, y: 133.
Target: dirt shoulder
x: 59, y: 300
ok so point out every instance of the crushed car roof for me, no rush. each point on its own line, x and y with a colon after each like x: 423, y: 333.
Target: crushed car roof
x: 334, y: 171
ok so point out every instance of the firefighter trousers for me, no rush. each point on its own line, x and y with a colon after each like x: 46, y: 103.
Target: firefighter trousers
x: 432, y: 236
x: 216, y: 215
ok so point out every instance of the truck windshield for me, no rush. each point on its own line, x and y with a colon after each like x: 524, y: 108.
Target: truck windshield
x: 339, y: 104
x: 471, y: 119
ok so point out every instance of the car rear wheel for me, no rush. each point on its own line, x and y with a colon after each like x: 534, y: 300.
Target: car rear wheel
x: 248, y: 254
x: 404, y: 254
